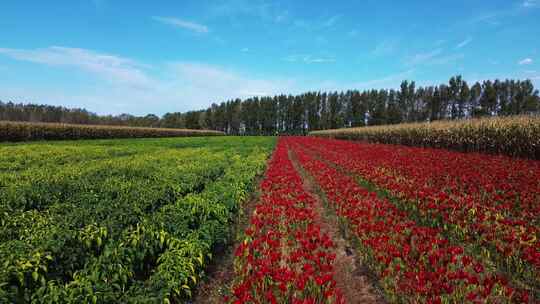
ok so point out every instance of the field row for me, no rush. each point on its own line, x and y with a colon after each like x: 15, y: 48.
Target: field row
x: 139, y: 221
x: 134, y: 222
x: 27, y: 131
x: 285, y: 257
x: 436, y: 224
x: 433, y: 226
x: 514, y: 135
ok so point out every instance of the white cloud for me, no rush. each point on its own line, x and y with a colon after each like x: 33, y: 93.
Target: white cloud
x: 389, y: 81
x: 446, y: 59
x: 214, y: 83
x: 434, y: 57
x: 309, y: 59
x: 392, y: 80
x: 422, y: 58
x: 110, y: 67
x: 331, y: 21
x: 525, y: 61
x: 464, y: 43
x: 530, y: 3
x: 127, y: 86
x: 440, y: 42
x: 489, y: 18
x: 269, y: 11
x: 319, y: 60
x: 385, y: 47
x: 188, y: 25
x: 253, y: 94
x: 281, y: 16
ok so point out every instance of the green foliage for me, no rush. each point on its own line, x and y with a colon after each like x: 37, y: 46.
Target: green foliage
x: 311, y: 111
x: 123, y: 221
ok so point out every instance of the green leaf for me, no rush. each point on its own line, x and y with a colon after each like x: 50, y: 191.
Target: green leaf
x: 35, y: 276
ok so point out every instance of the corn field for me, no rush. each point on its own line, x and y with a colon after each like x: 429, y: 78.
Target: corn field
x: 26, y: 131
x: 514, y: 136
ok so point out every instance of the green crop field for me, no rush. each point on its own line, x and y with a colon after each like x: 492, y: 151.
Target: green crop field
x: 118, y: 221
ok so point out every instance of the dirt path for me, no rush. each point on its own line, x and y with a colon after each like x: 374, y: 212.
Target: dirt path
x: 220, y: 274
x: 354, y: 279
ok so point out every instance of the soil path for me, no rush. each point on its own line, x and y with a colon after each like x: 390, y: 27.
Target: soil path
x: 220, y: 274
x: 354, y: 279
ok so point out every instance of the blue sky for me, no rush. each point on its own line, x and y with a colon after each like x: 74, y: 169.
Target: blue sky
x: 139, y: 57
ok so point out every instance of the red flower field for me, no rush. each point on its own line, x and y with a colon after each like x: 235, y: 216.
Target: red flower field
x: 434, y: 226
x: 285, y: 257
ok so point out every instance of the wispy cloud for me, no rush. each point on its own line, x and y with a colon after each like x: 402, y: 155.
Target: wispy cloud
x: 422, y: 58
x: 125, y: 85
x: 184, y: 24
x: 446, y: 59
x: 98, y: 3
x: 385, y: 47
x: 464, y: 43
x: 530, y: 3
x: 434, y: 57
x: 525, y: 61
x: 112, y: 68
x: 244, y: 50
x: 268, y: 11
x: 352, y: 33
x: 309, y: 59
x: 497, y: 17
x: 331, y: 21
x: 219, y: 83
x: 320, y: 60
x: 387, y: 81
x: 440, y: 42
x: 281, y: 16
x: 489, y: 18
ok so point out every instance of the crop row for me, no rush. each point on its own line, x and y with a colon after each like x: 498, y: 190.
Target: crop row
x: 415, y: 263
x: 137, y: 228
x: 163, y: 258
x: 488, y: 203
x: 285, y: 257
x: 25, y: 131
x: 514, y: 136
x: 93, y: 207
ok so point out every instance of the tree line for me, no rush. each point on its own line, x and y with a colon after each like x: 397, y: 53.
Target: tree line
x: 299, y: 114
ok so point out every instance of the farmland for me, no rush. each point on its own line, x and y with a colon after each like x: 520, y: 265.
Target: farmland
x: 26, y: 131
x: 512, y: 135
x: 433, y: 226
x: 270, y: 152
x: 333, y: 221
x: 118, y: 221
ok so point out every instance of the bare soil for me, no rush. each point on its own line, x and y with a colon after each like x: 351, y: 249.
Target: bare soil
x: 356, y: 281
x: 220, y: 273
